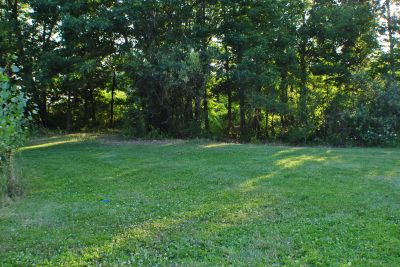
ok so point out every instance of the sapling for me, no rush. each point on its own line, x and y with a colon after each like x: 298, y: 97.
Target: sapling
x: 13, y: 123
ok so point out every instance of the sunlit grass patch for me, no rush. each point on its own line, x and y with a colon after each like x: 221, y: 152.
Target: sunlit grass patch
x: 50, y: 144
x: 216, y: 145
x: 58, y: 140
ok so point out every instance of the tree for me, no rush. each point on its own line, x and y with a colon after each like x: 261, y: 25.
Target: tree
x: 271, y: 70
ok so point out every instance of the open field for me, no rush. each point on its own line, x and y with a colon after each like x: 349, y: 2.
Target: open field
x: 92, y: 202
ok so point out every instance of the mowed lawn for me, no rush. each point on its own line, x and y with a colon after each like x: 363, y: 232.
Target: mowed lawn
x: 199, y: 203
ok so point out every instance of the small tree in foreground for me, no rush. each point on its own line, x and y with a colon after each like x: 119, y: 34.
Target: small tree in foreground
x: 13, y: 119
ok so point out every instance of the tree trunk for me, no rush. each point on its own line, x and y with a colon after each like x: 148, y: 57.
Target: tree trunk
x: 93, y: 106
x: 241, y: 100
x: 266, y: 123
x: 189, y: 110
x: 242, y: 113
x: 303, y: 79
x: 114, y: 84
x: 257, y: 122
x: 284, y: 100
x: 69, y: 115
x: 13, y: 6
x: 10, y: 173
x: 206, y: 118
x: 230, y: 123
x: 43, y: 109
x: 390, y: 28
x: 273, y: 132
x: 197, y: 106
x: 86, y: 106
x: 205, y: 68
x: 229, y: 88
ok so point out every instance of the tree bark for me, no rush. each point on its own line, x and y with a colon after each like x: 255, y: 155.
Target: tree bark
x: 114, y: 84
x: 93, y: 106
x: 206, y: 118
x: 390, y: 28
x: 303, y: 78
x: 284, y: 100
x: 10, y: 173
x: 43, y: 109
x: 266, y: 123
x: 229, y: 93
x: 205, y: 68
x: 13, y: 6
x: 86, y: 105
x: 69, y: 115
x: 273, y: 132
x: 188, y: 109
x: 230, y: 123
x: 241, y: 100
x: 197, y: 106
x: 242, y: 112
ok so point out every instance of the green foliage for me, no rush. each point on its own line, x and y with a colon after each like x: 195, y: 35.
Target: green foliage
x: 155, y: 134
x: 373, y: 120
x: 134, y: 126
x: 13, y: 115
x: 270, y: 70
x: 165, y: 89
x: 13, y: 126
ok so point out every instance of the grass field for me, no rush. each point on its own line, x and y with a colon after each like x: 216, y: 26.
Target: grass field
x: 97, y: 202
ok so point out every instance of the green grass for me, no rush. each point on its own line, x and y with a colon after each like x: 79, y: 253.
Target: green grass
x: 203, y: 204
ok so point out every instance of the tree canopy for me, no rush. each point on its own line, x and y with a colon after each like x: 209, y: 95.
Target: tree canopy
x: 295, y: 71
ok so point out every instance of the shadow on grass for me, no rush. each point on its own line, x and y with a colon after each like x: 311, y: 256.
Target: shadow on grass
x: 230, y: 208
x: 151, y: 237
x: 241, y: 208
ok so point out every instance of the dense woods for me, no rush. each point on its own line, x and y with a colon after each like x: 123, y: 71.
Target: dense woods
x: 293, y: 71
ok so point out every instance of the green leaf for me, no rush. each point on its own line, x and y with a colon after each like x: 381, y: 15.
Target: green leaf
x: 5, y: 86
x: 15, y: 69
x: 3, y: 78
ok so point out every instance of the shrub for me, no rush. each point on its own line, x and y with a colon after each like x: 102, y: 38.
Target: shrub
x: 13, y: 124
x: 134, y: 124
x: 372, y: 120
